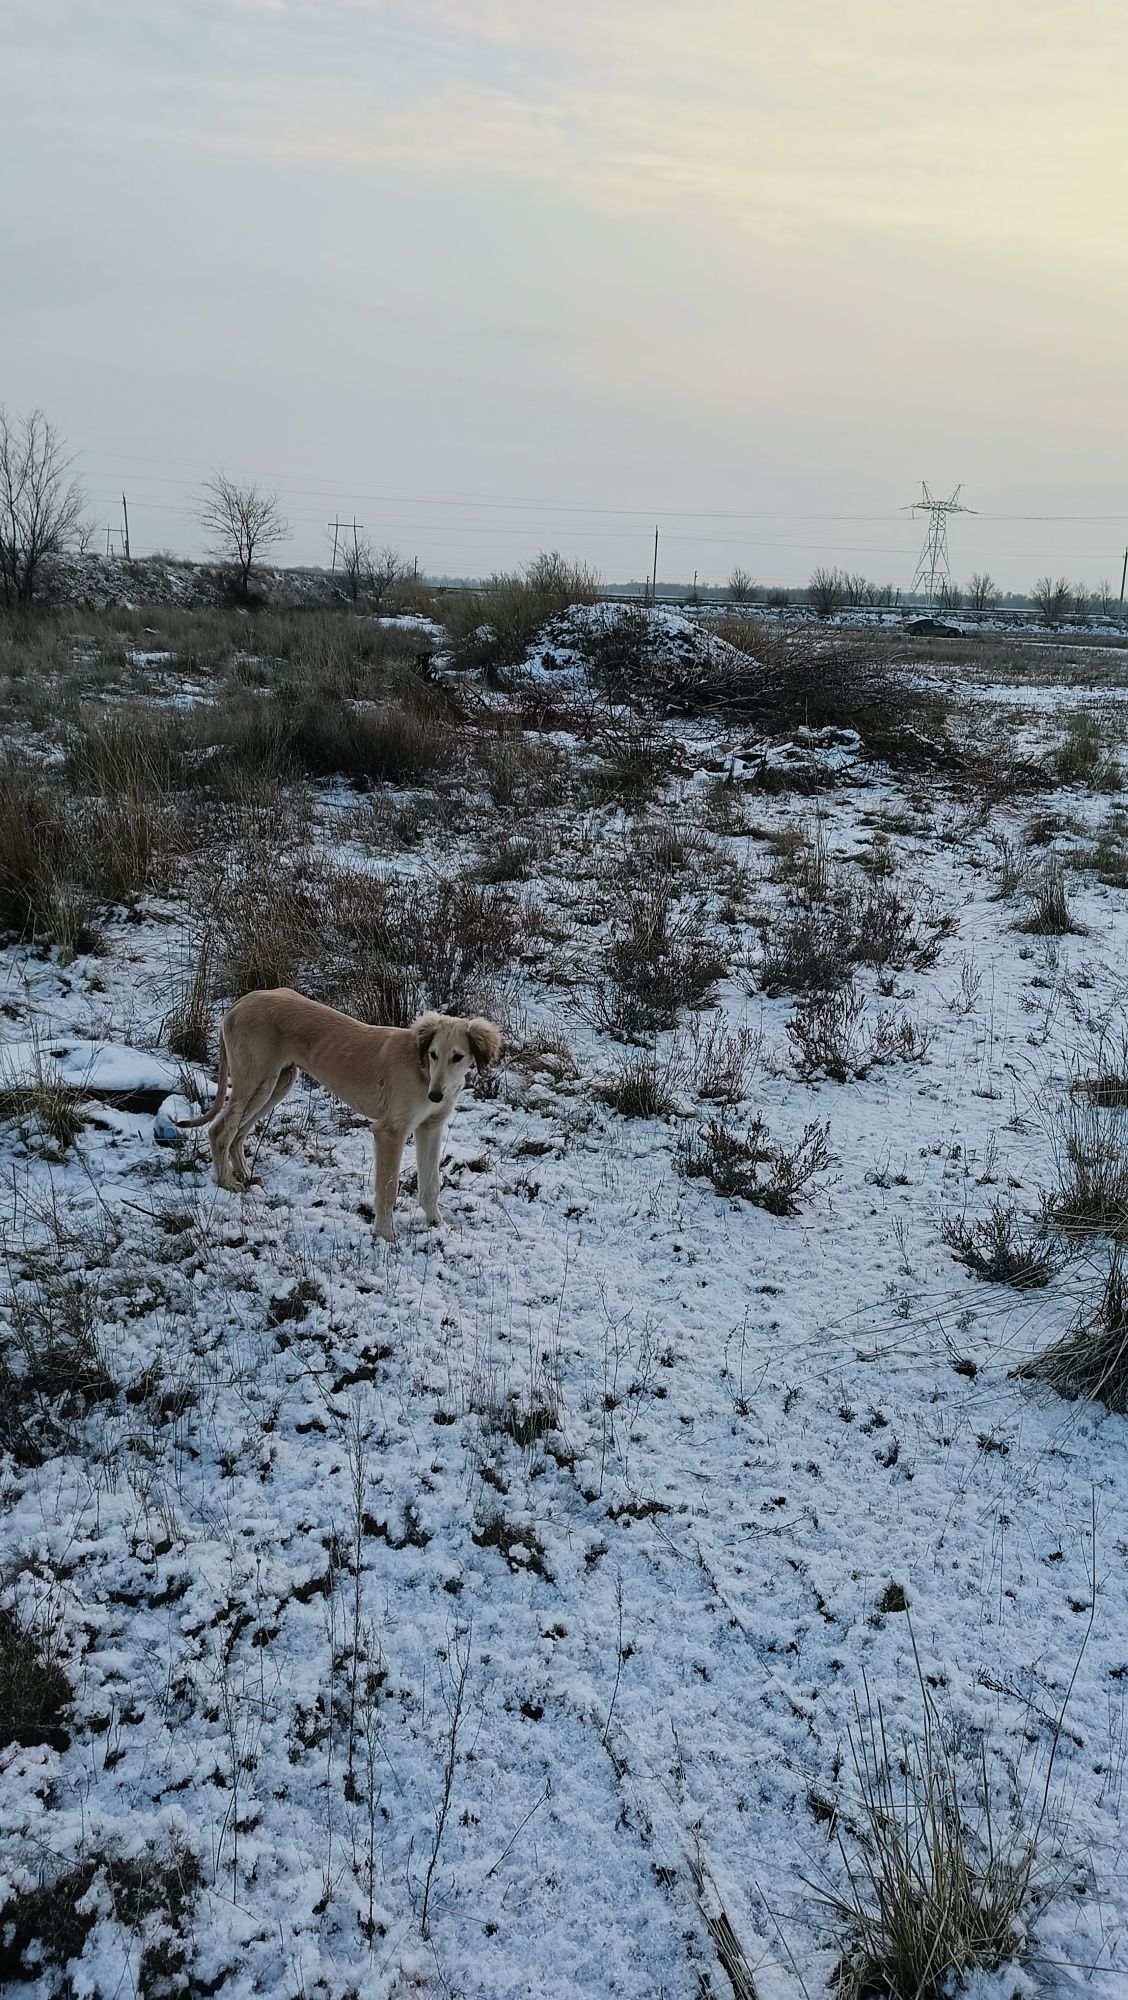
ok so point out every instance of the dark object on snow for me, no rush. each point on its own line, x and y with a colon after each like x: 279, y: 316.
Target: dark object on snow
x: 932, y: 628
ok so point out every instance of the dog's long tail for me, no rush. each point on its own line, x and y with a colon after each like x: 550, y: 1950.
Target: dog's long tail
x: 206, y: 1117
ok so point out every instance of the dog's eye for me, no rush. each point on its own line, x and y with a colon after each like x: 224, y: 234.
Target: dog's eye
x: 458, y: 1058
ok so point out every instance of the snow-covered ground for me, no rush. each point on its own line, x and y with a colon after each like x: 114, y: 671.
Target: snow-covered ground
x: 483, y: 1613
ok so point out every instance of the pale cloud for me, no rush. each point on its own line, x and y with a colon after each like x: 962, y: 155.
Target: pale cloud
x: 1000, y: 126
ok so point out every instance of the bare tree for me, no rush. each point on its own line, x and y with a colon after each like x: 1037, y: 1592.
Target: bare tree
x: 1080, y: 604
x: 40, y: 505
x: 388, y: 568
x: 243, y: 521
x: 1052, y: 598
x: 950, y: 597
x: 369, y: 572
x: 1105, y: 597
x: 827, y: 591
x: 740, y: 586
x: 353, y: 560
x: 982, y: 591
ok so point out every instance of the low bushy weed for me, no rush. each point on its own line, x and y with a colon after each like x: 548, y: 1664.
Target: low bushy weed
x: 660, y: 958
x: 1001, y: 1248
x: 756, y: 1168
x: 830, y: 1037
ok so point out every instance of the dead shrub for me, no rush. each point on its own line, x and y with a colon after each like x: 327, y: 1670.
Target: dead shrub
x: 1000, y: 1248
x: 54, y: 1340
x: 1107, y: 1086
x: 756, y: 1168
x: 635, y: 761
x: 521, y: 775
x: 806, y: 950
x: 723, y: 1062
x: 38, y: 848
x: 619, y: 652
x: 135, y: 751
x: 659, y: 959
x: 813, y: 945
x: 508, y: 858
x: 295, y: 733
x: 830, y: 1039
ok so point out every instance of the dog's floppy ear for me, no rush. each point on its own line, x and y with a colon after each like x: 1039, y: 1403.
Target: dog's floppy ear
x: 423, y: 1031
x: 485, y: 1041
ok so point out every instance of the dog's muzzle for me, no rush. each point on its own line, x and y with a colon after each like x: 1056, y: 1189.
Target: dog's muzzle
x: 436, y: 1096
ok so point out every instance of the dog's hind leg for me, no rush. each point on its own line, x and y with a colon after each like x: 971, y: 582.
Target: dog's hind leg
x: 388, y: 1150
x: 428, y: 1151
x: 260, y: 1106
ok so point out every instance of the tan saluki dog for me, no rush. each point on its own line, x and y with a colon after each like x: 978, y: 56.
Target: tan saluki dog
x: 405, y: 1080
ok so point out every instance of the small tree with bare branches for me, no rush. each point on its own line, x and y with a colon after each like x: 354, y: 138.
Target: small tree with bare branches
x: 40, y: 504
x: 982, y: 592
x: 827, y: 591
x: 1052, y: 598
x: 740, y: 586
x: 369, y: 572
x: 243, y: 522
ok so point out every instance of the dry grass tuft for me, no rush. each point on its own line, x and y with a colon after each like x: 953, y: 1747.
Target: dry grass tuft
x: 933, y: 1893
x: 1092, y: 1361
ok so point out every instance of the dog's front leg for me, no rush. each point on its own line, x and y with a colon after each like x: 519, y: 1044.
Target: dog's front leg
x: 428, y: 1149
x: 388, y: 1150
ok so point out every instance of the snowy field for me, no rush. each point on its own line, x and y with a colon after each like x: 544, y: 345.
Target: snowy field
x: 492, y: 1615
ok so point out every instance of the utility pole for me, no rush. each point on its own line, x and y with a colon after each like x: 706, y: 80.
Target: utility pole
x: 1123, y: 575
x: 336, y: 527
x: 125, y: 518
x: 109, y: 541
x: 654, y: 577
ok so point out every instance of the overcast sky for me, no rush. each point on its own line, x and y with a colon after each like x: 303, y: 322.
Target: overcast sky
x: 496, y: 275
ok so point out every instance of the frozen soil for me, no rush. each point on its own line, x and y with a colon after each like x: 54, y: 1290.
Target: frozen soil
x: 481, y: 1616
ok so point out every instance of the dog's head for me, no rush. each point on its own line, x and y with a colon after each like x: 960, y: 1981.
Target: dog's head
x: 447, y: 1045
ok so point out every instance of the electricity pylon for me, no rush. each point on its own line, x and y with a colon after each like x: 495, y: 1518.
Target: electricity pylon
x: 933, y: 571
